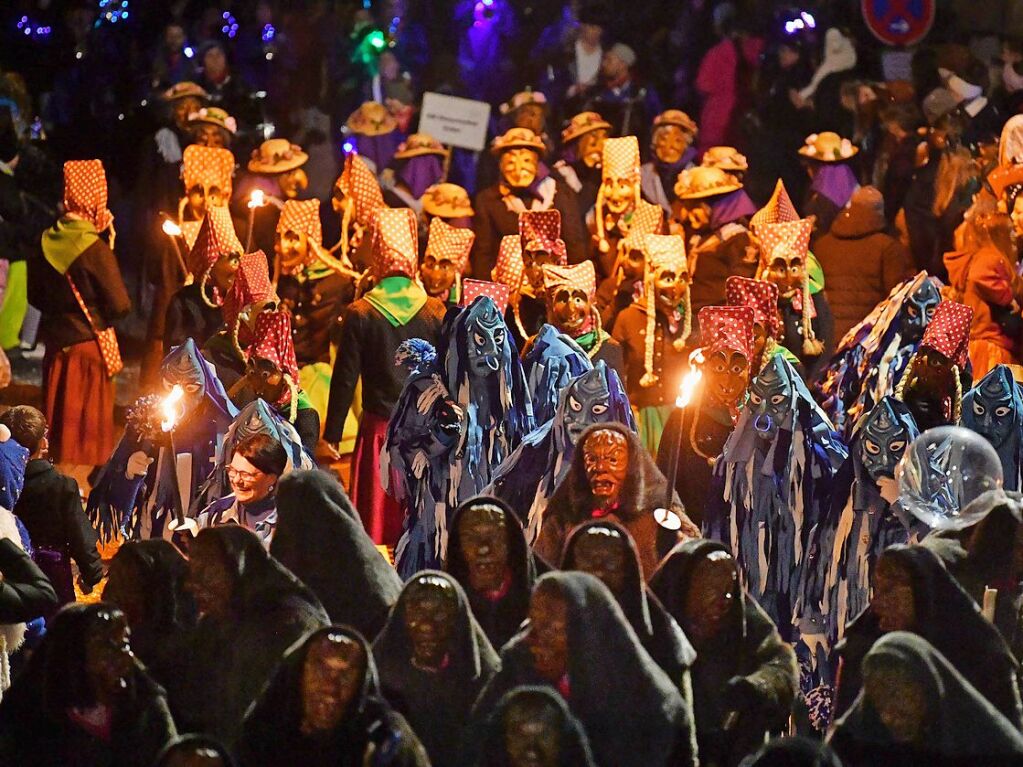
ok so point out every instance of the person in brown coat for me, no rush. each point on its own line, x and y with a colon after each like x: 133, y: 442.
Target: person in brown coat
x: 861, y: 261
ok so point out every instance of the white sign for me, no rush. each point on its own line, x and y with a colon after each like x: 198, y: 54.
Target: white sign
x: 454, y: 121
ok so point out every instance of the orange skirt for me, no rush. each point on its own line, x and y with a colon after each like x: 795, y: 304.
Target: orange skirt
x: 985, y: 355
x: 79, y: 404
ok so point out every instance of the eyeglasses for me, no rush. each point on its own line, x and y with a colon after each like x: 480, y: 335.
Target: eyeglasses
x: 235, y: 475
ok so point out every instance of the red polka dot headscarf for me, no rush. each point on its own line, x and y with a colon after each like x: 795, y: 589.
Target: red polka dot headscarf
x: 761, y: 296
x: 216, y: 238
x: 273, y: 342
x: 473, y: 289
x: 301, y: 217
x: 208, y: 167
x: 727, y: 329
x: 450, y: 242
x: 395, y: 243
x: 580, y: 277
x: 85, y: 192
x: 541, y: 230
x: 948, y: 331
x: 509, y: 269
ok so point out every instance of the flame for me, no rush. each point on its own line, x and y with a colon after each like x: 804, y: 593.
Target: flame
x: 257, y: 199
x: 171, y: 229
x: 169, y: 408
x: 688, y: 387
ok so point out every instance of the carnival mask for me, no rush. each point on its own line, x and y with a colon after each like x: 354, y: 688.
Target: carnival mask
x: 930, y: 385
x: 893, y: 600
x: 223, y: 271
x: 633, y: 265
x: 786, y: 269
x: 772, y: 399
x: 919, y: 309
x: 332, y: 675
x: 547, y: 636
x: 570, y: 311
x: 533, y: 262
x: 438, y: 276
x: 483, y: 536
x: 431, y: 608
x: 601, y: 552
x: 532, y: 733
x: 619, y: 193
x: 990, y: 408
x: 711, y: 596
x: 590, y: 147
x: 898, y: 699
x: 606, y: 460
x: 759, y: 341
x: 694, y: 215
x: 210, y: 578
x: 197, y: 200
x: 212, y: 136
x: 293, y: 250
x: 487, y: 335
x: 727, y: 378
x: 670, y: 143
x: 530, y: 116
x: 182, y: 368
x: 587, y: 401
x: 883, y: 441
x: 265, y: 379
x: 109, y: 661
x: 184, y: 107
x: 671, y: 288
x: 519, y: 167
x: 339, y: 201
x: 292, y: 182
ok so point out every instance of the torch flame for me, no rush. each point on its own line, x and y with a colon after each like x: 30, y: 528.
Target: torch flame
x: 688, y: 387
x: 171, y: 229
x: 257, y: 199
x: 169, y: 408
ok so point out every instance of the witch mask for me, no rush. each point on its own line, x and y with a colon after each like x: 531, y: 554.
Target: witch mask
x: 532, y: 732
x: 547, y: 637
x: 711, y: 594
x: 601, y: 552
x: 519, y: 167
x: 883, y: 441
x: 335, y: 665
x: 487, y: 336
x: 483, y: 535
x: 991, y: 409
x: 919, y: 311
x: 772, y: 399
x: 431, y: 609
x: 606, y: 461
x: 588, y: 401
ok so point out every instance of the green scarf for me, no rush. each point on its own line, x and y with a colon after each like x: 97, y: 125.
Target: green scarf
x: 66, y: 240
x: 398, y: 298
x: 588, y: 340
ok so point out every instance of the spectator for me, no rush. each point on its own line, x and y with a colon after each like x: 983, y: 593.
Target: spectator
x: 861, y: 261
x: 50, y: 507
x: 171, y: 65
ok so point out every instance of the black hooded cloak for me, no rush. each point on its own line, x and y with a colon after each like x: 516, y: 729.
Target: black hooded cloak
x: 657, y: 631
x: 320, y: 538
x: 500, y: 618
x: 645, y: 489
x: 35, y: 728
x: 436, y: 704
x: 230, y: 661
x: 633, y: 714
x: 949, y: 620
x: 961, y: 726
x: 575, y: 746
x: 752, y: 648
x: 371, y: 733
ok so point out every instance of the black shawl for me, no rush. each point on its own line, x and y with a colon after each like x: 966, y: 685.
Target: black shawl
x: 633, y: 714
x: 658, y: 632
x: 321, y: 539
x: 436, y: 704
x: 949, y: 620
x: 500, y: 618
x: 961, y: 726
x: 575, y: 746
x: 272, y: 734
x: 231, y: 660
x: 752, y: 648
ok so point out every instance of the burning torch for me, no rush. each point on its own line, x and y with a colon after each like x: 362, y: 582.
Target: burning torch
x: 172, y: 411
x: 173, y: 231
x: 666, y: 517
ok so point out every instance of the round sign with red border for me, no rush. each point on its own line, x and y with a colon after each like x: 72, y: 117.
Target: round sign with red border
x: 898, y: 22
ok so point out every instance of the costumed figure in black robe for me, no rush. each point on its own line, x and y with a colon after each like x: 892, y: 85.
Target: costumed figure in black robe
x: 323, y: 708
x: 434, y: 660
x: 575, y: 634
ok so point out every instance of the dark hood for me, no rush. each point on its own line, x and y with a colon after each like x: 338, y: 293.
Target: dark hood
x: 961, y: 724
x: 659, y: 633
x: 320, y: 538
x: 575, y: 746
x: 170, y: 607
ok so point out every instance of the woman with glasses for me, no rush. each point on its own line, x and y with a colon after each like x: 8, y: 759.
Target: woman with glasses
x: 257, y: 464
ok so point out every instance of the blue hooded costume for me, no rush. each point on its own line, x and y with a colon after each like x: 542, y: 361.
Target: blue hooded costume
x: 994, y: 409
x: 255, y: 418
x: 141, y: 506
x: 456, y: 420
x: 549, y: 363
x: 528, y: 477
x: 874, y: 354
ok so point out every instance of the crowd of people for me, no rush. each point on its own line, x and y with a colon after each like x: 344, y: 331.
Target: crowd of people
x: 618, y: 404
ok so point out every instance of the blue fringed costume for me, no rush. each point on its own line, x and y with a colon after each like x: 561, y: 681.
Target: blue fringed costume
x: 454, y: 423
x: 549, y: 361
x: 141, y: 506
x: 528, y: 477
x: 994, y: 409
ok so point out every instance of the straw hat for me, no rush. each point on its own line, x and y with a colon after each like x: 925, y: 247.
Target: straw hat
x: 523, y: 99
x: 417, y: 145
x: 581, y: 124
x: 678, y: 118
x: 696, y: 183
x: 277, y: 155
x: 517, y: 138
x: 447, y: 201
x: 215, y: 116
x: 725, y: 158
x: 828, y: 147
x: 185, y: 90
x: 371, y: 119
